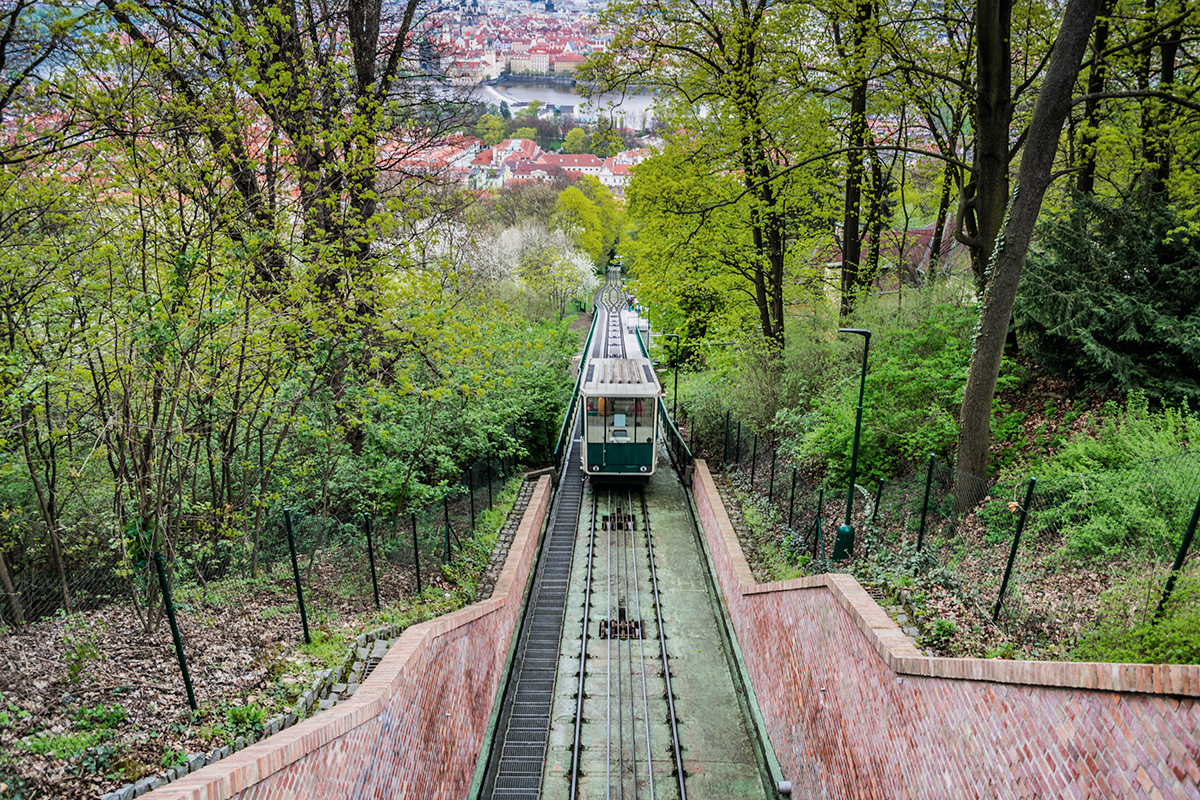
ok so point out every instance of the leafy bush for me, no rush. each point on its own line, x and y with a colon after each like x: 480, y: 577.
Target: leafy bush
x: 917, y: 369
x: 1127, y: 630
x: 1130, y: 489
x: 243, y: 720
x: 1112, y: 296
x: 65, y: 745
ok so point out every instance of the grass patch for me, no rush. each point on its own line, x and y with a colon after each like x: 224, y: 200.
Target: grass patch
x: 64, y: 745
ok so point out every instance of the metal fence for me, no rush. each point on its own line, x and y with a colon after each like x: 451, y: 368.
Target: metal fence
x: 1047, y: 560
x: 214, y: 564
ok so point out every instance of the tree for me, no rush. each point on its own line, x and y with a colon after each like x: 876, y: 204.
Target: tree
x: 504, y: 110
x: 490, y: 129
x: 524, y: 133
x: 1034, y: 176
x: 578, y: 216
x: 328, y: 79
x: 724, y: 58
x: 545, y: 261
x: 612, y: 217
x: 575, y: 141
x: 33, y: 38
x: 606, y: 139
x: 558, y: 274
x: 701, y: 271
x: 530, y: 111
x: 1109, y: 297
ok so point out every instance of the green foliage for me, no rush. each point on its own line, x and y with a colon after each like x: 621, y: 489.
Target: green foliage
x: 530, y: 111
x: 81, y: 638
x: 1113, y: 294
x: 245, y: 719
x: 64, y: 745
x: 1129, y: 489
x: 917, y: 368
x: 1127, y: 630
x: 697, y: 272
x: 1125, y: 436
x: 98, y: 718
x: 324, y: 647
x: 524, y: 133
x: 575, y: 141
x: 490, y: 129
x: 940, y: 632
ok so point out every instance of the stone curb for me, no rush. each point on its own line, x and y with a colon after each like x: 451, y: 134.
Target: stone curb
x: 327, y: 688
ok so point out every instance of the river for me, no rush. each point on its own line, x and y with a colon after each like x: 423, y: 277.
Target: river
x: 637, y: 109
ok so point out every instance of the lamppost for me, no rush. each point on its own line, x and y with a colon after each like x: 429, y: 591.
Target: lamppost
x: 675, y: 394
x: 844, y: 545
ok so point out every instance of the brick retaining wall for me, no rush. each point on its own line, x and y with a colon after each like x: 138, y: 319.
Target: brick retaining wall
x: 854, y: 710
x: 414, y: 727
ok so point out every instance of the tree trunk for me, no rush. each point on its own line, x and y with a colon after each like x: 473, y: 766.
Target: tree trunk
x: 852, y: 277
x: 939, y: 227
x: 987, y: 194
x: 1168, y: 52
x: 1034, y: 177
x: 10, y: 591
x: 1097, y: 77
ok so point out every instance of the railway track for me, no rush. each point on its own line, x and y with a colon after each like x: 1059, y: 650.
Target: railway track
x: 590, y: 704
x: 625, y: 678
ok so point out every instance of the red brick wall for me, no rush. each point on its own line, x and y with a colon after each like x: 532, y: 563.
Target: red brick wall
x: 415, y: 726
x: 854, y: 710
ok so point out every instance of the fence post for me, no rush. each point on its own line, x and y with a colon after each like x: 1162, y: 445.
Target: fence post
x: 771, y: 485
x: 371, y: 558
x: 416, y: 550
x: 446, y: 509
x: 1179, y: 557
x: 753, y: 461
x: 471, y: 493
x: 166, y: 593
x: 817, y: 524
x: 878, y: 495
x: 1012, y: 556
x: 792, y: 498
x: 925, y: 504
x: 727, y: 438
x: 287, y: 524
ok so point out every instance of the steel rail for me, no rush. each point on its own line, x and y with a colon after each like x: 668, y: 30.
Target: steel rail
x: 665, y: 663
x: 637, y: 594
x: 627, y: 558
x: 587, y: 606
x: 608, y: 656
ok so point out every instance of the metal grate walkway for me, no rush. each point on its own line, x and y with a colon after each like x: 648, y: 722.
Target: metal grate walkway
x: 515, y: 771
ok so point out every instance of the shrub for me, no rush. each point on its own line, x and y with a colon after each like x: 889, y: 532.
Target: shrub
x: 1127, y: 630
x: 916, y: 372
x: 1129, y: 490
x: 1111, y: 296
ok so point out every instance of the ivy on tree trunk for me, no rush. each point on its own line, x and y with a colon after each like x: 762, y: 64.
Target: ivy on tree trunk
x: 1008, y: 255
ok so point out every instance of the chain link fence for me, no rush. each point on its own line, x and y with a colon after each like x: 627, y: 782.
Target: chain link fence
x: 221, y: 565
x: 1066, y: 559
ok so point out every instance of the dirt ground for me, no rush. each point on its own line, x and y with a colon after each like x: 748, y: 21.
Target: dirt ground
x: 91, y: 701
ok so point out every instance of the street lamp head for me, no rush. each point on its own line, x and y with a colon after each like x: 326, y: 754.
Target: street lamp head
x: 860, y: 331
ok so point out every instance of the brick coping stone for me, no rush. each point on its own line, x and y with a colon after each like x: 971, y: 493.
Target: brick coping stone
x: 243, y: 769
x: 898, y: 651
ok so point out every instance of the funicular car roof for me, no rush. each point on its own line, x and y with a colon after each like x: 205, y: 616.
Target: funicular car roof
x: 620, y: 377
